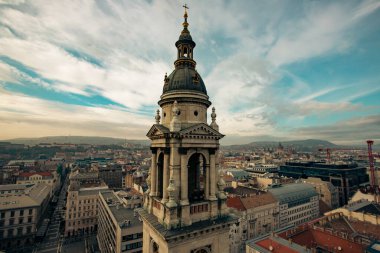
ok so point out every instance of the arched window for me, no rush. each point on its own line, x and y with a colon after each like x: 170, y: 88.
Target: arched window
x: 185, y: 52
x: 197, y: 177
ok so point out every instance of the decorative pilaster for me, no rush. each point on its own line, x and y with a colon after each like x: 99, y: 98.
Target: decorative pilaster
x: 165, y: 175
x: 184, y: 180
x: 207, y: 182
x: 153, y: 174
x: 212, y: 175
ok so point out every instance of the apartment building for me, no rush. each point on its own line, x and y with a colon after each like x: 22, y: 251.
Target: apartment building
x: 298, y: 202
x: 50, y: 178
x: 258, y: 215
x: 82, y: 207
x: 327, y: 192
x: 21, y: 211
x: 119, y: 227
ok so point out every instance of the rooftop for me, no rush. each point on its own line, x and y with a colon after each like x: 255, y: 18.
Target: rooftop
x: 33, y: 196
x: 293, y: 192
x: 245, y: 203
x: 242, y: 191
x: 125, y: 217
x: 276, y: 244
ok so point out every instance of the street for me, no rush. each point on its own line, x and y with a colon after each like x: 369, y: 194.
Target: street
x: 53, y: 239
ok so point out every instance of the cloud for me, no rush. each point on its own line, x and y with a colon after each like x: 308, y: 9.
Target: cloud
x: 120, y: 51
x: 357, y: 129
x: 21, y: 114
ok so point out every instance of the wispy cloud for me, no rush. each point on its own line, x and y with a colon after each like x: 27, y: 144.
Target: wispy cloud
x: 119, y: 51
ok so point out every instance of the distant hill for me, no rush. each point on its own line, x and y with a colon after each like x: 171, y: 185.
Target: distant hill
x: 306, y: 145
x: 92, y: 140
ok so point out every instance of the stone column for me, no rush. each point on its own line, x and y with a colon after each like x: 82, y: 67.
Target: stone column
x: 212, y: 175
x: 165, y: 175
x: 207, y: 182
x: 184, y: 180
x: 153, y: 173
x: 175, y: 167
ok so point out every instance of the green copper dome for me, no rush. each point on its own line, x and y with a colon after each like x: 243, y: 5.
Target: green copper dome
x: 184, y: 78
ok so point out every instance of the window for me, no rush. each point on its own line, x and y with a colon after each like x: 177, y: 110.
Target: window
x: 21, y: 212
x: 11, y: 222
x: 29, y: 219
x: 30, y: 211
x: 12, y: 213
x: 10, y: 232
x: 28, y: 229
x: 20, y: 221
x: 19, y: 231
x: 2, y: 215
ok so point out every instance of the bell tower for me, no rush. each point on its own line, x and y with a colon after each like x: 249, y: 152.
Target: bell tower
x: 185, y: 206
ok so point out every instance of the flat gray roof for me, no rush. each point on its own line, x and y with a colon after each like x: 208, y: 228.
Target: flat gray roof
x: 293, y: 192
x: 119, y: 212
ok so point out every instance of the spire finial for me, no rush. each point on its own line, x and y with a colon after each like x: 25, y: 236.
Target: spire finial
x: 158, y: 117
x: 185, y: 24
x: 213, y: 120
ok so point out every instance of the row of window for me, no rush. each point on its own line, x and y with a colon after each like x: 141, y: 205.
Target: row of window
x: 131, y: 246
x: 12, y: 221
x: 89, y: 214
x: 132, y: 237
x: 199, y: 208
x: 15, y: 232
x: 13, y: 213
x: 87, y: 221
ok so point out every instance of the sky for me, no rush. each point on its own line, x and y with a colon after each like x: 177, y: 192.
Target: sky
x: 274, y: 70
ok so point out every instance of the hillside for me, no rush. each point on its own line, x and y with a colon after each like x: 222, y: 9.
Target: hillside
x: 305, y: 145
x: 92, y: 140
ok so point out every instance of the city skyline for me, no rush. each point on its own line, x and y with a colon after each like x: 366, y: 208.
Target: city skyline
x: 305, y: 70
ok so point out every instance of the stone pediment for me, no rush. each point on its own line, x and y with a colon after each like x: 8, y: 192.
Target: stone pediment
x: 200, y: 130
x: 157, y: 131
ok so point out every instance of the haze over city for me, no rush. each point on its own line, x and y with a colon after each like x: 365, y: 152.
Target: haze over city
x: 273, y: 69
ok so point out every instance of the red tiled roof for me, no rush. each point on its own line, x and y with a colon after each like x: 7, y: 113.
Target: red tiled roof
x: 315, y: 237
x: 28, y: 174
x: 276, y: 247
x: 228, y: 178
x: 235, y: 202
x: 258, y: 200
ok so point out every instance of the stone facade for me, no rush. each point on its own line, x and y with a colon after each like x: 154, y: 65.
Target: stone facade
x: 328, y: 193
x: 185, y: 206
x: 299, y: 203
x: 50, y: 178
x: 21, y: 212
x: 81, y: 215
x: 120, y: 229
x: 258, y: 215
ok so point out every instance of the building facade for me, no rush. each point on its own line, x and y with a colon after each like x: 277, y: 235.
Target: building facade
x: 184, y: 211
x: 81, y: 215
x: 50, y: 178
x: 112, y: 175
x: 258, y: 215
x: 119, y: 227
x: 328, y: 193
x: 298, y: 203
x: 345, y: 177
x: 21, y: 212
